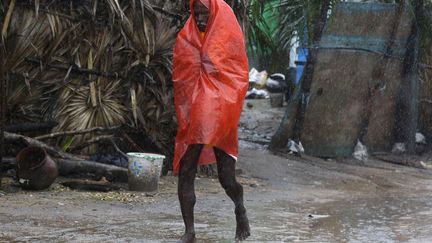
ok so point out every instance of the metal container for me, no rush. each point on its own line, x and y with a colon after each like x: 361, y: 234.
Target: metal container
x: 276, y: 100
x: 35, y: 169
x: 144, y: 171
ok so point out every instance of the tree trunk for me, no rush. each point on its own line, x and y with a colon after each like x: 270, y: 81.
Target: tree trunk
x: 284, y: 132
x: 408, y: 111
x: 297, y: 106
x: 33, y: 142
x: 2, y: 98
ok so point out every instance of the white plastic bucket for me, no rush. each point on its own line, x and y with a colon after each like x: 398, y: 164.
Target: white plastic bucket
x: 144, y: 170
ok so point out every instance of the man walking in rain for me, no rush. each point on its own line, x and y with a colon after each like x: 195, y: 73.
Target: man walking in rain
x: 210, y: 82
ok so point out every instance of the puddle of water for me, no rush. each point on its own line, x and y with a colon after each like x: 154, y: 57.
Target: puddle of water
x: 361, y: 220
x: 376, y: 220
x: 389, y: 219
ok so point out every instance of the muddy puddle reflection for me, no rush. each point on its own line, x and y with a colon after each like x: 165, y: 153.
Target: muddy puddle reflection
x: 389, y: 219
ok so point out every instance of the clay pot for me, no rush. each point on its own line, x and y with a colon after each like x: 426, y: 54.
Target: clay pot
x: 36, y: 170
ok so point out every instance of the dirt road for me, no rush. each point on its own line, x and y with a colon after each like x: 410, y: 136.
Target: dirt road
x: 289, y: 199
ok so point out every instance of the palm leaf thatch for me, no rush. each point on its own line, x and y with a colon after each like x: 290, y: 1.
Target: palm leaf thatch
x: 91, y: 63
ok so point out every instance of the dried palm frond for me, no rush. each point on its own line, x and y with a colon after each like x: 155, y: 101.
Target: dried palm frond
x: 76, y: 111
x: 152, y: 84
x: 81, y: 63
x: 28, y: 36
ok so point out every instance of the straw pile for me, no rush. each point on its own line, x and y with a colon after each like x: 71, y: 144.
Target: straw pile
x: 90, y: 63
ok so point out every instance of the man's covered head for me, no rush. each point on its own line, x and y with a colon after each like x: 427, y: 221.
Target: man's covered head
x: 202, y: 13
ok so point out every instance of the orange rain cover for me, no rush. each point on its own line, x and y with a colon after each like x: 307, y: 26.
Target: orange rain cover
x: 210, y: 82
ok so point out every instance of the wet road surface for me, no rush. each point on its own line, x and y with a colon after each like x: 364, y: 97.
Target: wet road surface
x: 289, y: 201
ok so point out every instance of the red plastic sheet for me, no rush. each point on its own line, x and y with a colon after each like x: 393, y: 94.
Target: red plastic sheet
x: 210, y: 82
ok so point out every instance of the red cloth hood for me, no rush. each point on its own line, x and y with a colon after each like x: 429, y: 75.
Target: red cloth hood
x: 205, y: 2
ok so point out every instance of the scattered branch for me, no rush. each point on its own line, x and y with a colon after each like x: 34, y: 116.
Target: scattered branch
x: 130, y: 141
x: 67, y: 133
x: 76, y: 69
x: 33, y: 142
x: 99, y: 139
x: 117, y: 148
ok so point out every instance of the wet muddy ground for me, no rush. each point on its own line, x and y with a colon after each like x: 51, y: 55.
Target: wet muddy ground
x: 289, y: 199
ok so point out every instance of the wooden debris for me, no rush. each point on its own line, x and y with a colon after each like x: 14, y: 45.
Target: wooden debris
x: 33, y: 142
x: 111, y: 172
x: 81, y: 167
x: 66, y: 133
x: 90, y: 185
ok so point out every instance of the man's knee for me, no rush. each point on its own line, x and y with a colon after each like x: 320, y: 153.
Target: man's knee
x: 186, y: 172
x: 228, y: 182
x: 189, y: 162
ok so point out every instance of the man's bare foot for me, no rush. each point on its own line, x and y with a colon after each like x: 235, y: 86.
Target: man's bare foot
x: 187, y: 238
x: 243, y: 229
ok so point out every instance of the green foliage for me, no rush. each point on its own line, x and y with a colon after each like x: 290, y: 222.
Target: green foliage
x: 68, y: 143
x: 299, y: 19
x: 261, y: 44
x: 293, y: 18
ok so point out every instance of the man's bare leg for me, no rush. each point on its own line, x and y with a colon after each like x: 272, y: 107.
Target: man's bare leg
x: 226, y: 174
x: 186, y: 190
